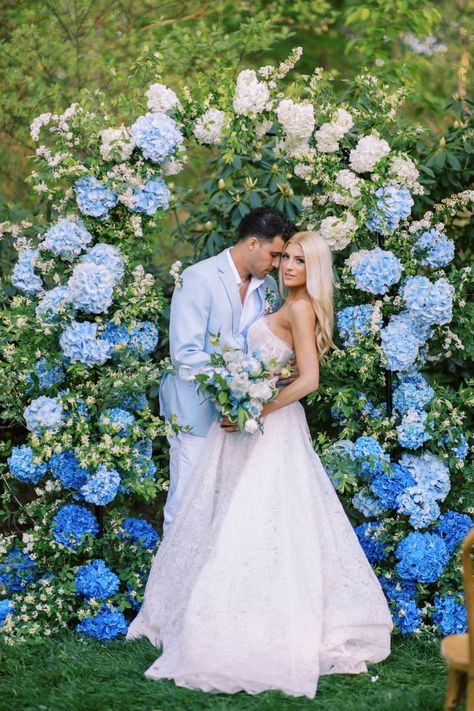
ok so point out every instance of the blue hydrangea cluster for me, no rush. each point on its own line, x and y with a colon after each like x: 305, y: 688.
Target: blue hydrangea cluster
x: 96, y: 580
x: 23, y: 467
x: 375, y: 271
x: 101, y: 487
x: 354, y: 322
x: 117, y: 336
x: 48, y: 375
x: 371, y: 456
x: 105, y: 255
x: 139, y: 531
x: 368, y: 539
x: 94, y: 198
x: 92, y: 287
x: 65, y: 467
x: 412, y: 432
x: 400, y: 342
x: 428, y: 303
x: 396, y: 590
x: 157, y: 135
x: 394, y: 204
x: 367, y: 504
x: 407, y: 616
x: 144, y: 338
x: 134, y: 402
x: 421, y: 557
x: 44, y: 413
x: 52, y: 303
x: 387, y: 486
x: 72, y: 523
x: 116, y: 421
x: 23, y: 275
x: 429, y: 472
x: 79, y: 342
x: 449, y: 614
x: 460, y: 450
x: 411, y: 393
x: 6, y: 608
x: 151, y: 197
x: 421, y: 508
x: 436, y: 248
x: 17, y: 571
x: 106, y: 625
x: 67, y: 238
x: 452, y: 527
x: 142, y: 462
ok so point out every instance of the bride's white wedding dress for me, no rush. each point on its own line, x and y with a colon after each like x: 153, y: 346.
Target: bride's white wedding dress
x: 260, y: 582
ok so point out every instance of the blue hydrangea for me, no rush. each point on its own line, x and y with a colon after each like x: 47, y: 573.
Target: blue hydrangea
x: 96, y: 580
x: 411, y: 393
x: 371, y: 456
x: 396, y: 590
x: 411, y: 432
x: 157, y: 135
x: 94, y: 198
x: 152, y: 196
x: 144, y: 338
x: 52, y: 303
x: 461, y: 450
x: 400, y: 342
x: 23, y: 275
x: 452, y: 527
x: 6, y: 608
x: 44, y: 413
x: 142, y: 462
x: 116, y: 421
x: 79, y: 342
x: 449, y: 614
x: 356, y: 321
x: 134, y: 402
x: 372, y: 547
x: 139, y: 531
x: 72, y: 523
x: 421, y: 508
x: 428, y: 303
x: 48, y: 375
x: 407, y: 616
x: 436, y: 248
x: 106, y: 625
x: 67, y: 238
x: 387, y: 486
x: 101, y: 487
x: 421, y: 557
x: 429, y: 472
x: 105, y: 255
x: 393, y: 204
x: 23, y: 467
x: 65, y: 467
x: 375, y: 271
x: 92, y: 287
x: 367, y: 504
x: 117, y: 336
x: 17, y: 571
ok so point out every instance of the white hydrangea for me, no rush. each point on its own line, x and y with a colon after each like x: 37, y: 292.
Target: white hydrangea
x: 297, y: 120
x: 116, y: 144
x: 327, y: 138
x: 404, y: 171
x: 173, y: 167
x: 161, y: 99
x: 369, y: 150
x: 302, y: 171
x: 349, y: 181
x: 343, y: 121
x: 338, y: 231
x: 261, y: 127
x: 251, y: 95
x: 208, y: 128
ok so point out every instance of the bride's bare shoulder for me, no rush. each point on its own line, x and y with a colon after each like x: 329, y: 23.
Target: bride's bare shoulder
x: 301, y: 310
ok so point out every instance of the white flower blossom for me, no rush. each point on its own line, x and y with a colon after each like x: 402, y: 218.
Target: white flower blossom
x: 208, y: 127
x: 116, y: 144
x: 369, y: 150
x: 338, y: 231
x: 161, y: 98
x: 251, y: 95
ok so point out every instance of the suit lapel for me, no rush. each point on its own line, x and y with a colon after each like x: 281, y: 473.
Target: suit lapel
x: 227, y: 277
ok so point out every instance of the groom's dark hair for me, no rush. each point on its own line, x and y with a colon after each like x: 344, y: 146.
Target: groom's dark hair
x: 265, y: 223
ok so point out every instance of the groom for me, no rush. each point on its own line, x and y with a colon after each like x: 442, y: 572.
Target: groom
x: 221, y: 295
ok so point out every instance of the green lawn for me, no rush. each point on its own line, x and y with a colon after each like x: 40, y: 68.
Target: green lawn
x: 71, y: 674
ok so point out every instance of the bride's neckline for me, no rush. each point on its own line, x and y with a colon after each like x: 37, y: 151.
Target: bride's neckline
x: 282, y: 340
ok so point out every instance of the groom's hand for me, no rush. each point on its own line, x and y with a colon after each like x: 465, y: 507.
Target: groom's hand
x: 288, y: 379
x: 228, y: 426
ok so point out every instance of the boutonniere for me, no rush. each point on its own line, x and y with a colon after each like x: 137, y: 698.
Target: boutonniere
x: 271, y: 300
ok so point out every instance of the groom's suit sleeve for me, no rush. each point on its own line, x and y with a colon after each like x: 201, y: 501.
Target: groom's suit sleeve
x: 190, y: 308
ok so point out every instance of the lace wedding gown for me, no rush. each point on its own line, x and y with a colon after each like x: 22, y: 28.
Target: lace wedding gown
x: 260, y: 582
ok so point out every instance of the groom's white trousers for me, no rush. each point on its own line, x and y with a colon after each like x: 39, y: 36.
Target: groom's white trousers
x: 185, y: 451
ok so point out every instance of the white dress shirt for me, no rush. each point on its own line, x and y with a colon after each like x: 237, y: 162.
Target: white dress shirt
x: 251, y: 302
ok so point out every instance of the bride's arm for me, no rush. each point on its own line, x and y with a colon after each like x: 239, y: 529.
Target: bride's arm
x: 302, y: 322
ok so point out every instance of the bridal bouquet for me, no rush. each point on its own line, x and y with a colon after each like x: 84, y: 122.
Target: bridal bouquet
x: 239, y: 384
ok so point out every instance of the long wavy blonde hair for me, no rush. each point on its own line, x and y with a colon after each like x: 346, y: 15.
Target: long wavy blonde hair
x: 320, y: 285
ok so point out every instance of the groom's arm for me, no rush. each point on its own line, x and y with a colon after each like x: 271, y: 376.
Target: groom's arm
x: 190, y: 309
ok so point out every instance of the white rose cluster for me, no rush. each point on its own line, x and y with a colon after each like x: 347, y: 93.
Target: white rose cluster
x: 369, y: 150
x: 116, y: 144
x: 338, y: 231
x: 208, y: 127
x: 298, y: 123
x: 161, y: 98
x: 329, y: 134
x: 251, y: 95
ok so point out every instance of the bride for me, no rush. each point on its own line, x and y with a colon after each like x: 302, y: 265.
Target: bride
x: 260, y: 582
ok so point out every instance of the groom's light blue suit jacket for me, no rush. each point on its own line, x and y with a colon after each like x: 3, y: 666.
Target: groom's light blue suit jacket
x: 206, y: 304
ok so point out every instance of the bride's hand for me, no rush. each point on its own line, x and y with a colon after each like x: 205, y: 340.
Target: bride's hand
x: 294, y: 373
x: 227, y: 425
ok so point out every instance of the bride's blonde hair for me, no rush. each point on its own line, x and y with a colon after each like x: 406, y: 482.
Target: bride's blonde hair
x: 319, y: 284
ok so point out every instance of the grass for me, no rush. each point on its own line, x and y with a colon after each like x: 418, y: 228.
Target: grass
x: 73, y: 674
